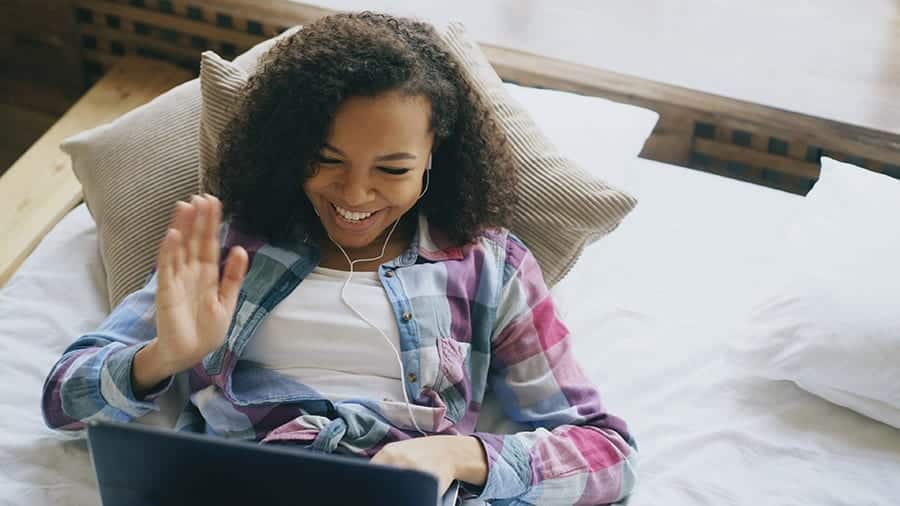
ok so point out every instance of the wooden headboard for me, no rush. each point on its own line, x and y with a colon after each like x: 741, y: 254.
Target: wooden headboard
x: 40, y: 188
x: 699, y: 130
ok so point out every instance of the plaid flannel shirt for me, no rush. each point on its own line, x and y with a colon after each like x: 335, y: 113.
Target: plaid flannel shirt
x: 470, y: 317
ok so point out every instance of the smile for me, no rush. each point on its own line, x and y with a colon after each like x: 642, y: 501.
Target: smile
x: 351, y: 215
x: 354, y: 220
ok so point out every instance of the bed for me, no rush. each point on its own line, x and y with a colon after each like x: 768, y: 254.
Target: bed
x: 667, y: 290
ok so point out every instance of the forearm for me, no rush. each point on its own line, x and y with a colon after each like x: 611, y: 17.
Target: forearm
x: 578, y: 453
x: 56, y: 391
x: 93, y: 379
x: 540, y: 466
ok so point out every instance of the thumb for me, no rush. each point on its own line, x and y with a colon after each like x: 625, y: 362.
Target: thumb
x: 233, y: 277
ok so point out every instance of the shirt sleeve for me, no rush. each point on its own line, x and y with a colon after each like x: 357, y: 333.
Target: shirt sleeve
x: 576, y: 452
x: 92, y: 379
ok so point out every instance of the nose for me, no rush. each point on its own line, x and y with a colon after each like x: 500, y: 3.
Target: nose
x: 356, y: 188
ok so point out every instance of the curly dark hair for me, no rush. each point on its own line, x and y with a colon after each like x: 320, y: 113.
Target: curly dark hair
x: 272, y: 145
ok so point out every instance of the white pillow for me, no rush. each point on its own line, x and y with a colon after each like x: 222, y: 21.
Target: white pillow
x: 39, y: 318
x: 57, y: 294
x: 833, y: 327
x: 618, y: 131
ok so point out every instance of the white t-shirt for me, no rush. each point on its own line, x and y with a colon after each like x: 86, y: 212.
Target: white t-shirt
x: 312, y: 336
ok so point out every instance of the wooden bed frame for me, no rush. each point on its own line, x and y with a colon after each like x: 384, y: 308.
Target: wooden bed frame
x: 40, y: 188
x: 133, y: 50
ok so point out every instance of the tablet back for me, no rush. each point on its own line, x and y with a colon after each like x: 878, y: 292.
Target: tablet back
x: 139, y: 465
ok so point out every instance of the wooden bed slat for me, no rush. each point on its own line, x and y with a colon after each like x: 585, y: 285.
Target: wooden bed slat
x: 40, y: 188
x: 161, y: 19
x: 131, y: 41
x: 728, y: 151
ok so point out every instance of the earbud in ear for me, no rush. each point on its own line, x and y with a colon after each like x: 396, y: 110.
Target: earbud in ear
x: 427, y: 178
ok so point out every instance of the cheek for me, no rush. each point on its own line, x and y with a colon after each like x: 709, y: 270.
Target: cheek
x: 405, y: 195
x: 315, y: 184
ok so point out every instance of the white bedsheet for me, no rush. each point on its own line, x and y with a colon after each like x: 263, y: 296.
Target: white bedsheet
x: 651, y: 307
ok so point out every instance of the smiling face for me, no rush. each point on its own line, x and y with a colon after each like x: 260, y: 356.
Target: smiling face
x: 370, y: 171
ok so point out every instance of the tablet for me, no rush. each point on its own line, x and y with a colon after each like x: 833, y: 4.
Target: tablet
x: 138, y: 465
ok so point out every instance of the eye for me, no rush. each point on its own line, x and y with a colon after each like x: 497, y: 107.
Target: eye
x: 326, y: 160
x: 394, y: 171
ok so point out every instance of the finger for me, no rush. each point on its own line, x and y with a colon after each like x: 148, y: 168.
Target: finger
x: 209, y: 247
x: 178, y: 253
x: 179, y: 215
x: 180, y: 222
x: 196, y: 234
x: 233, y: 277
x: 164, y: 260
x: 167, y: 270
x: 186, y: 223
x: 387, y: 456
x: 379, y: 458
x: 183, y: 218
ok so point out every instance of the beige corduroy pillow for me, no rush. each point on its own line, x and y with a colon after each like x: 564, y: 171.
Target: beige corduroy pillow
x: 134, y: 169
x: 561, y: 207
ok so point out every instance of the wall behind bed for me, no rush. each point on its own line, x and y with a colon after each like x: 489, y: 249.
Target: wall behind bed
x: 702, y: 131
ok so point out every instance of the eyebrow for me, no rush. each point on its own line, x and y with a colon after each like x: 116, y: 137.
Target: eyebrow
x: 384, y: 158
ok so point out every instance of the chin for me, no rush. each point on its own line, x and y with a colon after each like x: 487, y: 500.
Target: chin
x: 351, y: 242
x: 356, y: 240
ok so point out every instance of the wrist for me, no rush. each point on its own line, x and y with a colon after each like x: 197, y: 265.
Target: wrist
x: 148, y: 369
x: 156, y: 356
x: 470, y: 461
x: 168, y: 362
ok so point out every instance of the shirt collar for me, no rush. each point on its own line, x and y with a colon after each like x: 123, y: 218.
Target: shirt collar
x: 433, y: 244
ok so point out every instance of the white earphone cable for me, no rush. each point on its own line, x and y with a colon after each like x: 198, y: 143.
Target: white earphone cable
x: 363, y: 317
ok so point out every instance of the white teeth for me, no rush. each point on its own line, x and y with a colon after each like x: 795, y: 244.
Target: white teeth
x: 350, y: 215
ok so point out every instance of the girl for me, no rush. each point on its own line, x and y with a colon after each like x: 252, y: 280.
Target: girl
x: 362, y: 293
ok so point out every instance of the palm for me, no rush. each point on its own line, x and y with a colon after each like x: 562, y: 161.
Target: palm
x: 193, y: 309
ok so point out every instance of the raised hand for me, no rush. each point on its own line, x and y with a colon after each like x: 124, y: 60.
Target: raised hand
x: 193, y: 306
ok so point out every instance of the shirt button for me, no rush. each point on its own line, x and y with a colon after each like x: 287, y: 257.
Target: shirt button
x: 407, y: 316
x: 412, y: 377
x: 389, y: 274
